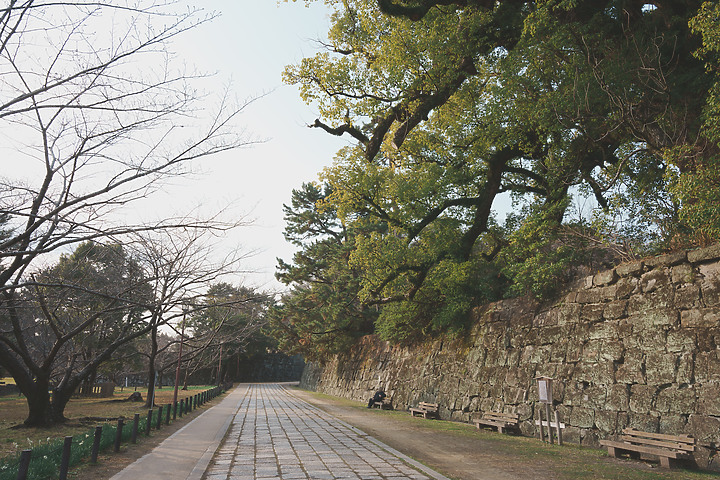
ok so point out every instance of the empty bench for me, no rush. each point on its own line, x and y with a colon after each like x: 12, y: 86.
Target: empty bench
x: 668, y: 447
x: 501, y: 421
x: 425, y: 409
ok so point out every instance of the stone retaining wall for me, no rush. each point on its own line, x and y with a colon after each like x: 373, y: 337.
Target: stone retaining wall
x: 638, y: 345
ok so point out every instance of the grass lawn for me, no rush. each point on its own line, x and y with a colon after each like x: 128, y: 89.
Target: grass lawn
x: 83, y: 414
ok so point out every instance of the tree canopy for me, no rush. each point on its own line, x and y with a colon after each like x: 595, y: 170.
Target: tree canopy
x: 592, y: 118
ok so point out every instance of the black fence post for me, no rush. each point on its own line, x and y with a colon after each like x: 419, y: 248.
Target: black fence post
x: 65, y: 461
x: 181, y: 407
x: 96, y: 444
x: 24, y: 464
x: 175, y: 406
x: 134, y: 432
x: 159, y: 417
x: 167, y: 414
x: 118, y: 434
x: 148, y: 425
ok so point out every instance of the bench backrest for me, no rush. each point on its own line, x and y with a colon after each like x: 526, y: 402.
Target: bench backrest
x: 507, y: 417
x: 684, y: 443
x: 430, y: 407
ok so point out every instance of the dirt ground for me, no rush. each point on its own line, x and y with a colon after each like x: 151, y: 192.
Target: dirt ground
x: 456, y: 450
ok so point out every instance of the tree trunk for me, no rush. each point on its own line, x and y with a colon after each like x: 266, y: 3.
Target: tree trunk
x: 88, y: 384
x: 150, y: 400
x: 43, y: 410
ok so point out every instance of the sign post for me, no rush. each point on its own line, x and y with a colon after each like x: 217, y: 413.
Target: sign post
x: 545, y: 394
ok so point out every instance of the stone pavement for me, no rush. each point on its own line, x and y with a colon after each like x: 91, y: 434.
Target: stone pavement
x: 276, y: 435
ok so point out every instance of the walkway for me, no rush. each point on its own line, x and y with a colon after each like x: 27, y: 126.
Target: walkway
x: 276, y: 435
x: 271, y: 433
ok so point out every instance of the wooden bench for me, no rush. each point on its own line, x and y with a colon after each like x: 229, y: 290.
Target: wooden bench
x: 425, y: 409
x: 499, y: 420
x: 386, y: 404
x: 668, y: 447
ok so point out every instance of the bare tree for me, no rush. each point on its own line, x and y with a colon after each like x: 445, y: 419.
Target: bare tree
x: 182, y: 266
x: 92, y: 100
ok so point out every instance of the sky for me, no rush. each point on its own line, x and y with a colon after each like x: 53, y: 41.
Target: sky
x: 249, y: 45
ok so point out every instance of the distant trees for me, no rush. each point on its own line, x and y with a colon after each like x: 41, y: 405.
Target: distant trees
x: 226, y: 328
x: 97, y: 108
x: 456, y: 105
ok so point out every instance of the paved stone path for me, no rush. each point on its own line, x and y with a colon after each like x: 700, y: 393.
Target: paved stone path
x: 275, y: 435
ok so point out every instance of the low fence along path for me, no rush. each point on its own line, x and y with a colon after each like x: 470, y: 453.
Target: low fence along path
x: 276, y: 435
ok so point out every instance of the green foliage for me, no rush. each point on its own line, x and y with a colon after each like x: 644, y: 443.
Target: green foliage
x: 555, y: 103
x: 322, y: 313
x: 697, y: 187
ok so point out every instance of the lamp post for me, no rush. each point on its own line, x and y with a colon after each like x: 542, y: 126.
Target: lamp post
x: 177, y: 369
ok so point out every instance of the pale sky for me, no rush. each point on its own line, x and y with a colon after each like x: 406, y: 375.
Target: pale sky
x: 250, y: 44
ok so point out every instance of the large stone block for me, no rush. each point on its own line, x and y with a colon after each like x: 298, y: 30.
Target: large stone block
x: 595, y: 397
x: 708, y: 399
x: 608, y: 293
x: 704, y: 254
x: 605, y: 278
x: 644, y: 422
x: 615, y: 310
x: 612, y: 350
x: 687, y: 296
x: 591, y: 295
x: 547, y: 318
x: 618, y: 397
x: 606, y: 422
x: 630, y: 268
x: 632, y: 370
x: 642, y: 398
x: 676, y: 400
x: 680, y: 341
x: 582, y: 417
x: 572, y: 434
x: 603, y: 331
x: 674, y: 424
x: 683, y: 273
x: 704, y: 428
x: 591, y: 351
x: 710, y: 284
x: 625, y: 287
x: 592, y: 312
x: 660, y: 368
x: 667, y: 260
x: 654, y: 279
x: 660, y: 299
x: 700, y: 318
x: 686, y: 368
x: 568, y: 313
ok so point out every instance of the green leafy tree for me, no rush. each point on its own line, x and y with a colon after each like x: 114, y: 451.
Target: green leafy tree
x: 698, y: 187
x: 454, y: 103
x: 74, y: 317
x: 322, y: 313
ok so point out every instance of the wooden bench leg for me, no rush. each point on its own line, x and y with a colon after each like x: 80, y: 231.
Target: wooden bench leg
x: 612, y: 452
x: 665, y: 462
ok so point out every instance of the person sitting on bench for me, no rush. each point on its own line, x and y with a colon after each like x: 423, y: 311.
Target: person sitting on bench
x: 378, y: 397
